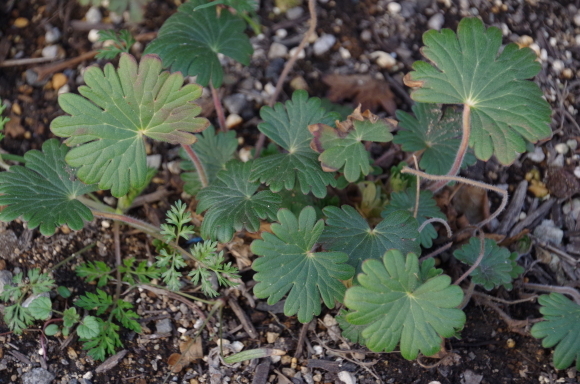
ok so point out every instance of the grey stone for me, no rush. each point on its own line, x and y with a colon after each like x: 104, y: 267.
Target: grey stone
x: 37, y: 376
x: 8, y: 244
x: 294, y: 13
x: 5, y: 278
x: 436, y: 21
x: 235, y: 103
x: 323, y: 44
x: 163, y: 326
x: 277, y: 50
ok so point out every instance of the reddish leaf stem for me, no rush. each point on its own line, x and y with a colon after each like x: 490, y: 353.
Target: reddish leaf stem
x: 197, y: 163
x: 552, y: 288
x: 219, y: 110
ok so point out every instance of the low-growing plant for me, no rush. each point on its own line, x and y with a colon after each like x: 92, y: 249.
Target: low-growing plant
x: 473, y: 93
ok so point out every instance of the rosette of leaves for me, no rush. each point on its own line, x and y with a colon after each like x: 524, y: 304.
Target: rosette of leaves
x: 290, y: 266
x: 436, y: 134
x: 190, y: 41
x: 427, y: 209
x: 120, y: 108
x: 402, y: 302
x: 343, y: 148
x: 506, y: 110
x: 498, y: 266
x: 44, y: 192
x: 347, y: 231
x: 234, y: 203
x: 561, y: 328
x: 287, y: 125
x: 214, y: 151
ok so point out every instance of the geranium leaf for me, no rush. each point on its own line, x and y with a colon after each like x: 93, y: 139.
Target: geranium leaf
x: 506, y: 110
x: 396, y: 305
x: 561, y: 326
x: 214, y: 151
x: 89, y: 328
x: 427, y: 209
x: 189, y: 42
x: 498, y: 266
x: 44, y: 192
x: 350, y: 331
x: 119, y: 109
x: 347, y: 231
x: 233, y: 204
x: 343, y: 146
x: 289, y: 265
x: 287, y: 125
x: 40, y: 308
x: 436, y: 135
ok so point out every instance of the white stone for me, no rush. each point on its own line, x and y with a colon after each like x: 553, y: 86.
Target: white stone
x: 523, y: 215
x: 383, y: 59
x: 436, y: 21
x: 572, y: 144
x: 277, y: 50
x: 537, y: 156
x: 181, y: 330
x: 346, y: 377
x: 577, y: 19
x: 233, y: 120
x: 294, y: 13
x: 52, y: 35
x: 64, y: 89
x: 577, y: 172
x: 88, y: 375
x: 394, y: 7
x: 245, y: 155
x: 543, y: 54
x: 367, y: 35
x: 344, y: 53
x: 115, y: 18
x: 93, y: 15
x: 301, y: 55
x: 281, y: 33
x: 237, y: 346
x: 275, y: 359
x: 323, y: 44
x: 50, y: 51
x: 318, y: 350
x: 558, y: 162
x: 561, y: 148
x: 269, y: 89
x: 93, y: 35
x: 547, y: 232
x: 557, y: 66
x: 154, y: 161
x: 105, y: 224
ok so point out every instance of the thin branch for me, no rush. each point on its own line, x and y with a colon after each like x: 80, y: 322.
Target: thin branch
x: 474, y: 183
x: 418, y: 192
x: 197, y: 163
x: 436, y: 220
x: 460, y: 152
x: 552, y: 288
x: 437, y: 251
x: 477, y: 261
x: 218, y: 108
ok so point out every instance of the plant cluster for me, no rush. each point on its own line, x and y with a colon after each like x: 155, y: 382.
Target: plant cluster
x: 471, y: 94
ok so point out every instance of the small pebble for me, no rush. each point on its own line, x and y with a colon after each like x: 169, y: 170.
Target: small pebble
x: 298, y: 83
x: 567, y: 73
x: 323, y: 44
x: 64, y: 89
x: 346, y: 377
x: 383, y: 59
x: 281, y: 33
x: 233, y: 120
x: 562, y: 148
x: 50, y: 51
x: 436, y: 21
x: 93, y: 35
x: 547, y: 232
x: 238, y: 346
x: 105, y: 224
x: 52, y: 35
x: 277, y: 50
x: 367, y: 35
x: 93, y: 15
x: 58, y: 81
x: 21, y: 22
x: 577, y: 172
x: 115, y: 18
x: 558, y: 66
x: 294, y: 13
x: 510, y: 343
x: 271, y: 337
x: 344, y: 53
x: 394, y: 7
x: 301, y: 55
x: 577, y: 19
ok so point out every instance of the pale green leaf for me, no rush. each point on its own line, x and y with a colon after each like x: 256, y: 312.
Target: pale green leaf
x: 89, y: 328
x: 287, y: 125
x: 398, y: 307
x: 290, y: 266
x: 120, y: 108
x: 40, y: 308
x: 44, y: 192
x: 234, y: 203
x: 560, y: 328
x: 347, y: 231
x: 189, y: 42
x: 506, y: 110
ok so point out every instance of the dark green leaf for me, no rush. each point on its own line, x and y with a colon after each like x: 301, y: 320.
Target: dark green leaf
x: 289, y: 265
x: 233, y: 204
x: 287, y: 125
x: 506, y: 110
x: 436, y: 135
x: 397, y: 306
x: 347, y: 231
x: 100, y: 301
x: 120, y: 108
x: 44, y: 192
x: 561, y: 327
x: 189, y: 42
x: 214, y: 151
x: 498, y: 266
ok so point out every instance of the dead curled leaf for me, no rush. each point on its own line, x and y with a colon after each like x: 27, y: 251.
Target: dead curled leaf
x: 190, y: 351
x: 365, y: 90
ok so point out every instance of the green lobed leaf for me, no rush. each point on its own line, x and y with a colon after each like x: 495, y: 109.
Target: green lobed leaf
x: 89, y: 328
x: 232, y: 203
x: 397, y: 306
x: 44, y: 191
x: 70, y: 317
x: 437, y: 135
x: 506, y: 110
x: 498, y: 266
x: 290, y: 266
x: 405, y: 200
x: 343, y: 147
x: 95, y: 271
x: 51, y: 330
x: 350, y: 331
x: 189, y: 42
x: 105, y: 342
x: 287, y: 125
x: 347, y: 231
x: 17, y: 318
x: 214, y: 151
x: 560, y: 328
x: 40, y: 308
x: 99, y: 301
x: 119, y: 109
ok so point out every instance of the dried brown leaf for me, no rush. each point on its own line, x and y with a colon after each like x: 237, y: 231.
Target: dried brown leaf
x: 365, y: 90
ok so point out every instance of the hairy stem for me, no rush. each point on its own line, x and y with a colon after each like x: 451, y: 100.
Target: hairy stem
x: 552, y: 288
x: 219, y: 110
x: 503, y: 193
x: 436, y: 220
x: 288, y: 67
x: 77, y: 253
x: 460, y: 152
x: 198, y: 165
